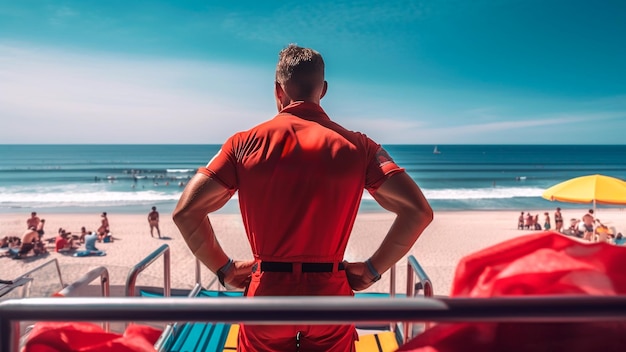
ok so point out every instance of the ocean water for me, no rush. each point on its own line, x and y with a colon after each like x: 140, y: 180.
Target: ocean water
x: 132, y: 178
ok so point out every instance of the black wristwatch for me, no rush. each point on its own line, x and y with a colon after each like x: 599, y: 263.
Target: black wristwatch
x: 221, y: 273
x: 372, y: 270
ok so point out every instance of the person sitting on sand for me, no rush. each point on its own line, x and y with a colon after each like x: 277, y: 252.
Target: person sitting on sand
x: 90, y: 241
x: 29, y: 239
x: 63, y: 242
x: 83, y: 233
x: 602, y: 232
x: 619, y: 239
x: 586, y: 227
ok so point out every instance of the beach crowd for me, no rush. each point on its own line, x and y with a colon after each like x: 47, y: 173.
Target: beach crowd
x: 587, y: 227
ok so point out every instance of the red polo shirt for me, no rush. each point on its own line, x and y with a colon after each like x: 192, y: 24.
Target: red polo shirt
x: 300, y: 178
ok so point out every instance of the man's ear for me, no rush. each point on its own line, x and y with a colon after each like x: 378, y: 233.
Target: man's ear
x: 279, y: 91
x: 324, y: 89
x: 279, y: 94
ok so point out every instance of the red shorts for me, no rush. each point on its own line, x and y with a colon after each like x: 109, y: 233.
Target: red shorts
x: 262, y: 338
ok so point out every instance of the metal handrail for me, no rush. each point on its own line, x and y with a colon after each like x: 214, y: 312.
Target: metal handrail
x: 414, y: 269
x: 131, y: 279
x: 50, y: 262
x: 311, y: 310
x: 21, y: 281
x: 55, y: 261
x: 99, y: 272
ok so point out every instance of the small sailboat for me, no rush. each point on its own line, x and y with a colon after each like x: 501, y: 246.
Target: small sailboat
x: 436, y: 151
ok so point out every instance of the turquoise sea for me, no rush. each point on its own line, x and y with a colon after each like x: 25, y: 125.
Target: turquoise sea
x: 132, y: 178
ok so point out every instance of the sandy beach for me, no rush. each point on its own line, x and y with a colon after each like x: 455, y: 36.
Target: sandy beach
x: 451, y: 236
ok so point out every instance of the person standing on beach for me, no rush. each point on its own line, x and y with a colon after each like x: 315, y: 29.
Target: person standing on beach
x: 300, y: 178
x: 558, y: 220
x: 153, y: 220
x: 546, y: 221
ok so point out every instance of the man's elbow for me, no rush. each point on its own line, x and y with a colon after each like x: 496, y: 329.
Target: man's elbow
x: 427, y: 214
x: 180, y: 216
x: 421, y: 214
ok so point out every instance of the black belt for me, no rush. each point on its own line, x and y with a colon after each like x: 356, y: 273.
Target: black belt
x: 283, y: 267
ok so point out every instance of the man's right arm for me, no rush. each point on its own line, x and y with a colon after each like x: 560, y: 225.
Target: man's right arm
x: 202, y: 196
x: 400, y: 195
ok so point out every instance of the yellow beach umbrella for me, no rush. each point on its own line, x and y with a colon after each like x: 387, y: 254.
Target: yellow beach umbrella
x: 596, y: 189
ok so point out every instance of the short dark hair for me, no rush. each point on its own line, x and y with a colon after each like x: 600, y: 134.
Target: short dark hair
x: 153, y: 208
x: 302, y: 67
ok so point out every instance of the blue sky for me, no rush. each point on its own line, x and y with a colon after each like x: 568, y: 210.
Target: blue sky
x: 430, y: 72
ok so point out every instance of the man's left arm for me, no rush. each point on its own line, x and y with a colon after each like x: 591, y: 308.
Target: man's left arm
x: 400, y: 195
x: 202, y: 196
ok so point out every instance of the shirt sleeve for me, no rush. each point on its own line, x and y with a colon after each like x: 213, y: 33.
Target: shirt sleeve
x: 380, y: 168
x: 223, y: 167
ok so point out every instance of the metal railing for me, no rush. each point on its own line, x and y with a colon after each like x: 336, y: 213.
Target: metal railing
x: 39, y: 268
x: 19, y: 282
x: 414, y: 269
x: 311, y: 310
x: 29, y: 274
x: 213, y: 283
x: 131, y: 279
x: 100, y: 272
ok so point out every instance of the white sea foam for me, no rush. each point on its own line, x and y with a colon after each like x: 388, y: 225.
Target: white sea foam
x: 477, y: 193
x: 179, y: 170
x: 86, y: 198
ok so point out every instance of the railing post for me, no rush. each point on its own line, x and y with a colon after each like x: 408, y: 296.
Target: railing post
x: 392, y: 290
x: 410, y: 292
x: 9, y: 335
x: 198, y: 273
x: 167, y: 288
x: 131, y: 279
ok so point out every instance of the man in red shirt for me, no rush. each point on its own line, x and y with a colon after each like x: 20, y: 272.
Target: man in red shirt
x: 62, y: 243
x: 300, y: 178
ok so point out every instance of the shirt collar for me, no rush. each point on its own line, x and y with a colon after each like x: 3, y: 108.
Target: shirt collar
x: 306, y: 110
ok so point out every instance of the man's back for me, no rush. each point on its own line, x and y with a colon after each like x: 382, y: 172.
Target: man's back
x: 300, y: 178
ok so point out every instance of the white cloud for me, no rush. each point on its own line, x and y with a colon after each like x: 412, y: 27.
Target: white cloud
x: 50, y: 97
x: 559, y: 128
